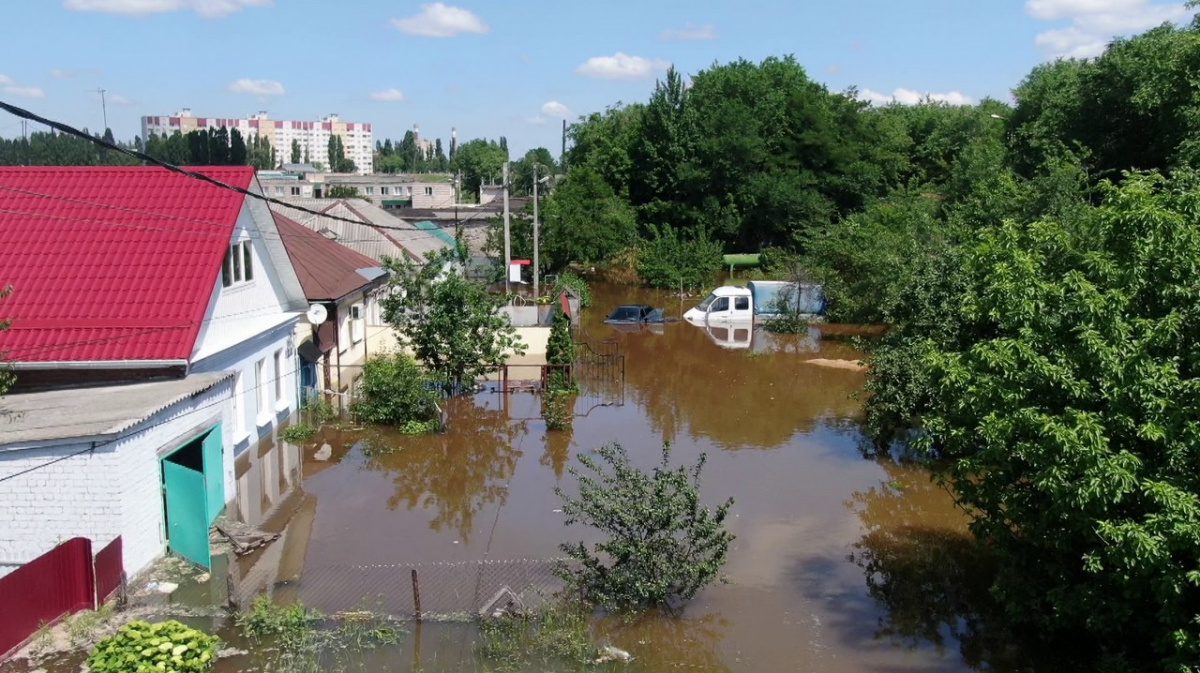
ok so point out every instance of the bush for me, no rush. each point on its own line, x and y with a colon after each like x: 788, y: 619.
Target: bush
x: 663, y: 545
x: 297, y: 433
x: 560, y: 351
x: 542, y: 641
x: 288, y: 626
x: 143, y: 647
x: 576, y: 283
x: 558, y: 409
x: 394, y: 392
x: 669, y: 258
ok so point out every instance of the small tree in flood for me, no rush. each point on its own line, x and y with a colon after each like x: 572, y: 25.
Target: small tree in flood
x: 662, y: 544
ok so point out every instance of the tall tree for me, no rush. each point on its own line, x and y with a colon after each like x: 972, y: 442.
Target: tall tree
x: 295, y: 151
x: 238, y: 155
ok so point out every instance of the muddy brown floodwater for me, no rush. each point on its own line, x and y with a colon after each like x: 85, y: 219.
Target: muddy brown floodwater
x: 841, y: 563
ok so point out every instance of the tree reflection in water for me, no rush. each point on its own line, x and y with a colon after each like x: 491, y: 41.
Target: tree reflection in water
x: 924, y: 569
x: 455, y: 473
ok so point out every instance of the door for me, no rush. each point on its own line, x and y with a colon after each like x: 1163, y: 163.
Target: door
x: 718, y: 311
x: 193, y: 494
x: 186, y: 502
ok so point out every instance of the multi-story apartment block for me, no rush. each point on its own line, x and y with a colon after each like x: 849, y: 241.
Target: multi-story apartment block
x: 313, y: 136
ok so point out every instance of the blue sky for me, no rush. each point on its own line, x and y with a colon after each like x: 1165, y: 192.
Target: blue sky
x: 511, y: 67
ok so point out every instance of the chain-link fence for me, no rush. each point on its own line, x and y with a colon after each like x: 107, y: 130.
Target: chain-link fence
x: 433, y: 591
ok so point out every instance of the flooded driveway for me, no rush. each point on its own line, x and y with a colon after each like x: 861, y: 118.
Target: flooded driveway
x: 841, y: 563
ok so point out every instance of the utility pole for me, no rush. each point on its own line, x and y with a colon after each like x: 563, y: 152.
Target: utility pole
x: 103, y: 109
x: 536, y: 294
x: 507, y: 244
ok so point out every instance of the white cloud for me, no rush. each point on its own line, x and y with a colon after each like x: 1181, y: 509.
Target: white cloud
x: 1094, y: 23
x: 555, y: 109
x: 118, y: 99
x: 209, y: 9
x: 257, y: 87
x: 5, y: 79
x: 536, y: 119
x: 387, y: 95
x: 689, y: 32
x: 905, y: 96
x: 25, y: 91
x: 621, y: 66
x: 441, y: 20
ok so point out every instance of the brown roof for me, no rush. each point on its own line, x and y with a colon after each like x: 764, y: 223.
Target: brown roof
x: 327, y: 270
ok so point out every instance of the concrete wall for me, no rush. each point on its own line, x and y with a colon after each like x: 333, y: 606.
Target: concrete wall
x: 113, y: 490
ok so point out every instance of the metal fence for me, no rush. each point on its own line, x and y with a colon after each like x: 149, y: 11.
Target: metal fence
x: 429, y: 591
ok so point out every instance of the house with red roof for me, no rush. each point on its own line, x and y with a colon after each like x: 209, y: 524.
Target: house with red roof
x: 347, y: 285
x: 152, y: 335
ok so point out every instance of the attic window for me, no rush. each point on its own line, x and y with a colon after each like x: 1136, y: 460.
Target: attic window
x: 238, y: 266
x: 330, y: 234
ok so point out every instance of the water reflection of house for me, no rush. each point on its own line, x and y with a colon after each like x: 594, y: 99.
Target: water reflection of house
x: 349, y: 286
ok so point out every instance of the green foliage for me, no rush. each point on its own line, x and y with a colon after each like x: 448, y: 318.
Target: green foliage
x: 450, y: 323
x: 558, y: 408
x: 394, y: 391
x: 479, y: 161
x: 662, y: 545
x: 297, y: 433
x: 285, y: 626
x: 141, y: 647
x: 317, y: 410
x: 560, y: 351
x: 546, y: 640
x: 670, y: 258
x: 585, y: 221
x: 576, y: 283
x: 6, y: 377
x: 342, y: 192
x: 1063, y: 415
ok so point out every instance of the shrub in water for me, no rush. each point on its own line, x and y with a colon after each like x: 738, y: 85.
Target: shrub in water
x: 394, y: 392
x: 165, y: 647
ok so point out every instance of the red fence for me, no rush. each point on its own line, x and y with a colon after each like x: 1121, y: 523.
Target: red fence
x: 62, y: 581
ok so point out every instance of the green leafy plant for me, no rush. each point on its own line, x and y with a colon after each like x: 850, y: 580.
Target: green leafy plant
x: 451, y: 323
x: 670, y: 258
x: 560, y: 354
x: 558, y: 409
x: 577, y: 284
x: 662, y: 544
x: 288, y: 626
x: 543, y: 640
x: 394, y: 392
x: 318, y: 410
x: 297, y: 433
x: 142, y: 647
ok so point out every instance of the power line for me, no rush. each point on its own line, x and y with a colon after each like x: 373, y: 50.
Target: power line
x: 70, y: 130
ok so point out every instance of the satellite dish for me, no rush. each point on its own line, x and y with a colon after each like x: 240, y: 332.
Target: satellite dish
x: 317, y: 314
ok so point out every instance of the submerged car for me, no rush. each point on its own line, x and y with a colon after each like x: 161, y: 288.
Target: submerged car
x: 634, y: 317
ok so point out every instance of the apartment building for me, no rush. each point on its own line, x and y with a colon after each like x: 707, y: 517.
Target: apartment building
x: 313, y: 136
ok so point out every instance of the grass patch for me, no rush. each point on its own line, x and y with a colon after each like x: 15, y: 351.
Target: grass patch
x: 544, y: 640
x: 300, y: 639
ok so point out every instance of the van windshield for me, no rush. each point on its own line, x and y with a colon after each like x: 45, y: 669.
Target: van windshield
x: 703, y: 306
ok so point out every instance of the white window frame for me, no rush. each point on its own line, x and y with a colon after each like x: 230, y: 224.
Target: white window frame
x: 237, y: 268
x: 278, y: 358
x: 357, y: 333
x: 262, y: 394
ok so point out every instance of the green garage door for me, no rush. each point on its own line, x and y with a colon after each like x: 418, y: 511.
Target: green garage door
x: 193, y: 494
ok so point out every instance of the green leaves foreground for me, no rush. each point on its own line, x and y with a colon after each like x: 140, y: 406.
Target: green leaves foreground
x: 141, y: 647
x: 662, y: 544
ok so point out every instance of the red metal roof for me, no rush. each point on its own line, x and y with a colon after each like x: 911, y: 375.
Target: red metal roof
x: 327, y: 270
x: 111, y: 263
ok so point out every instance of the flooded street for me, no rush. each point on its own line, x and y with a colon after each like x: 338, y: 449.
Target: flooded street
x: 841, y: 563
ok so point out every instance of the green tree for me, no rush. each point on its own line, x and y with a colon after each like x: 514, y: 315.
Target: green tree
x: 342, y: 192
x: 585, y: 221
x: 295, y: 151
x: 479, y: 160
x: 560, y: 352
x: 661, y: 544
x: 6, y: 377
x: 238, y: 155
x: 670, y: 258
x: 393, y: 392
x: 1066, y: 422
x: 451, y: 323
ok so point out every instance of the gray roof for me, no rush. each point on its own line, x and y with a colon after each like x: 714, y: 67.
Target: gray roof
x: 381, y: 234
x: 58, y: 416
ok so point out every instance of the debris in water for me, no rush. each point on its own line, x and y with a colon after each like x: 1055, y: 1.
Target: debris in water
x: 324, y: 452
x: 202, y: 578
x: 613, y: 654
x: 161, y: 587
x: 853, y: 365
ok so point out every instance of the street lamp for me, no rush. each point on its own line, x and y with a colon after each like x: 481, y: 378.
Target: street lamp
x: 536, y: 268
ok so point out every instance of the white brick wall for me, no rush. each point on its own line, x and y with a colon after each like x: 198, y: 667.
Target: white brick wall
x: 113, y: 490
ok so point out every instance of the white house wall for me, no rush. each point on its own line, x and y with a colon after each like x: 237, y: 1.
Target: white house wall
x: 251, y: 322
x: 115, y: 490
